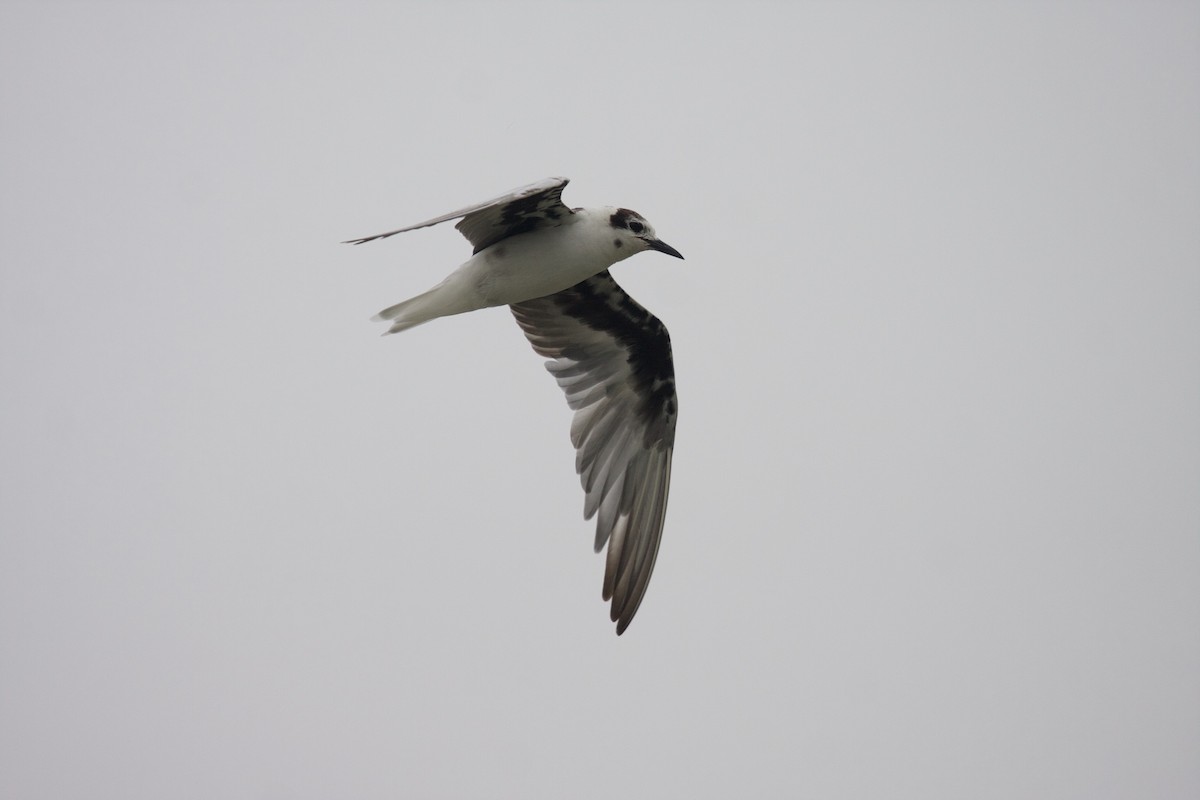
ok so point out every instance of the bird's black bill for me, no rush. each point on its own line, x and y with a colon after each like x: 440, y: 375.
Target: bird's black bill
x: 663, y: 247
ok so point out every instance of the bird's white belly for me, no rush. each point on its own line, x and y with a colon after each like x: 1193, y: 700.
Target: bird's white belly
x: 540, y: 263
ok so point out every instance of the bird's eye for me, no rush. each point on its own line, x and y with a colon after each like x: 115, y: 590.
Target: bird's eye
x: 636, y: 226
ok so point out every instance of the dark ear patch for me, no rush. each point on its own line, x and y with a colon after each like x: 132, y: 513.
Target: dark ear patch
x: 617, y: 243
x: 621, y: 217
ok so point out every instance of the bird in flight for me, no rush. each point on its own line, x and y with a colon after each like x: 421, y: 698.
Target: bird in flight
x: 611, y: 356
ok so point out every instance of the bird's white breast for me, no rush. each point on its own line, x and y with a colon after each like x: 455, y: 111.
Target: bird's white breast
x: 546, y: 261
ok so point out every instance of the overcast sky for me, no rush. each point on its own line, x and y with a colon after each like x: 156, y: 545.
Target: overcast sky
x: 935, y: 523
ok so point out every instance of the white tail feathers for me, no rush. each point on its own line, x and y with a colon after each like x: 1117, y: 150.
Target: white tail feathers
x: 408, y: 314
x: 451, y: 296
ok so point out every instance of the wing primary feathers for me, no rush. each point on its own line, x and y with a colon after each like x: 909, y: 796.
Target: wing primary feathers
x: 612, y: 360
x: 483, y: 224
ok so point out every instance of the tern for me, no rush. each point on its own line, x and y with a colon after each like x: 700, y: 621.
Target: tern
x: 549, y: 264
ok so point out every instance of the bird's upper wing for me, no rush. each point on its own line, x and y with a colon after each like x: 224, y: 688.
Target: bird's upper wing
x: 613, y: 359
x: 528, y: 208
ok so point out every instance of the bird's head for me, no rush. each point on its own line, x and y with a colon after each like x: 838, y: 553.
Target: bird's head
x: 631, y: 229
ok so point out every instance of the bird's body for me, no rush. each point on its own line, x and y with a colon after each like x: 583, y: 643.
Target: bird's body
x: 521, y: 267
x: 610, y: 356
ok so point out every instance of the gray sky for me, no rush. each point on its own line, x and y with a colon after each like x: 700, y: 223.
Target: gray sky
x: 935, y: 523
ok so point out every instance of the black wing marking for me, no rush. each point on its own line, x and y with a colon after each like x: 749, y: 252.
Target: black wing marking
x: 612, y: 357
x: 537, y: 205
